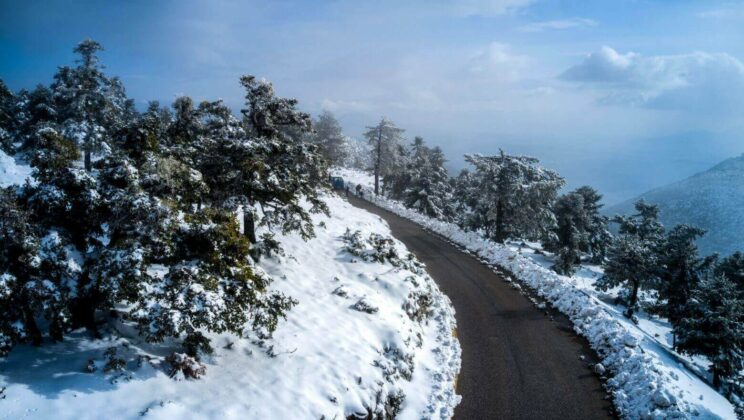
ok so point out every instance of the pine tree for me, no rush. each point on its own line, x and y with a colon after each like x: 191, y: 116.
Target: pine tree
x: 429, y: 190
x: 36, y: 280
x: 36, y: 112
x: 279, y: 172
x: 150, y: 236
x: 210, y: 285
x: 384, y: 140
x: 513, y: 197
x: 598, y: 236
x: 580, y: 229
x: 8, y: 118
x: 465, y: 199
x: 398, y: 180
x: 143, y: 136
x: 680, y: 271
x: 92, y: 107
x: 330, y: 139
x: 359, y: 155
x: 733, y: 268
x: 634, y: 257
x: 714, y: 327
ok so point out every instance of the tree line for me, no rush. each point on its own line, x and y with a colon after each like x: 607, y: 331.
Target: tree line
x: 131, y: 215
x: 513, y: 198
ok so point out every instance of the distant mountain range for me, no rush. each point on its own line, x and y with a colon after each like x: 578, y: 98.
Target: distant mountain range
x: 712, y: 200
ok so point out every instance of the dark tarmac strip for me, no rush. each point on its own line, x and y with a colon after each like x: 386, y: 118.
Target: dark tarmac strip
x: 517, y: 363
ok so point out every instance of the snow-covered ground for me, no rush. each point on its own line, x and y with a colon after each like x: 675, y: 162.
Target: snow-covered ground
x: 645, y: 377
x: 363, y: 334
x: 12, y: 172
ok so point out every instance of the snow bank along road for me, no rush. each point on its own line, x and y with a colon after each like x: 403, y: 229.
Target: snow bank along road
x: 517, y: 363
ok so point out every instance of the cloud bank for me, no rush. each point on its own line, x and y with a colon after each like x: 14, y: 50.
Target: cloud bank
x: 698, y: 81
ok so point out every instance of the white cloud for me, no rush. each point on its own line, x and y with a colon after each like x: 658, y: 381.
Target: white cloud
x: 342, y: 105
x: 498, y: 61
x: 489, y: 7
x: 559, y: 24
x: 735, y: 12
x: 696, y: 81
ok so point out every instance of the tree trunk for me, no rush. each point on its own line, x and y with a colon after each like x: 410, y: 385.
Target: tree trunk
x: 249, y: 225
x: 500, y: 231
x: 88, y: 164
x: 633, y: 298
x: 377, y: 181
x: 83, y: 312
x: 716, y: 379
x: 31, y: 328
x: 378, y: 161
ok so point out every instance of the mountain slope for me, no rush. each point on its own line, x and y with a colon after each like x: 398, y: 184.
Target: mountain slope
x: 712, y: 200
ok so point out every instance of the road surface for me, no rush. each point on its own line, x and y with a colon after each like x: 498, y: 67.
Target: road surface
x: 517, y: 362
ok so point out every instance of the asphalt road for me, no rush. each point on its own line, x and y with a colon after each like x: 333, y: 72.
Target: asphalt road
x: 517, y: 361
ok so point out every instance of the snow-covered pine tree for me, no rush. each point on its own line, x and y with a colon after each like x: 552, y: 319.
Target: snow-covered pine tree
x: 37, y: 278
x: 598, y: 235
x: 66, y: 200
x: 580, y: 229
x: 144, y: 135
x: 397, y: 181
x: 429, y: 190
x: 280, y: 172
x: 35, y: 111
x: 210, y: 286
x: 219, y: 148
x: 78, y: 243
x: 680, y: 271
x: 514, y: 197
x: 359, y: 155
x: 185, y: 128
x: 385, y: 143
x: 139, y: 231
x: 633, y: 258
x: 733, y: 268
x: 330, y: 139
x: 8, y: 118
x: 92, y: 107
x: 159, y: 145
x: 465, y: 199
x: 714, y: 327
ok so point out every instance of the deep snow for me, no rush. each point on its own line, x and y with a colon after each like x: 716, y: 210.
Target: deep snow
x: 645, y: 377
x: 329, y: 359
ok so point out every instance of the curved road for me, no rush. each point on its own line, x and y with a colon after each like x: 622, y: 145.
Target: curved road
x: 517, y: 362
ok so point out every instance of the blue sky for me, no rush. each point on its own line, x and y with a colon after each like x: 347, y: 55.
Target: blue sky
x: 624, y: 95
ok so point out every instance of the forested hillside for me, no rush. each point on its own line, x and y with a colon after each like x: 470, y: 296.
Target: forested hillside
x: 712, y: 200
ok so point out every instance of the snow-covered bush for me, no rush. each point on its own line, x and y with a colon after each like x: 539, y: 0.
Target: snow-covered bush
x: 378, y: 248
x: 185, y: 367
x: 210, y: 286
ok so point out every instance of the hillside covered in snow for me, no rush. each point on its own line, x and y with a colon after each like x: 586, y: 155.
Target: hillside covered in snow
x: 712, y: 200
x: 367, y: 335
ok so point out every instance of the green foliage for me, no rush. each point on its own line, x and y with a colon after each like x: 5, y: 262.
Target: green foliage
x: 428, y: 189
x: 633, y: 260
x: 714, y: 327
x: 680, y: 271
x: 580, y: 230
x: 147, y: 220
x: 512, y: 198
x: 329, y: 138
